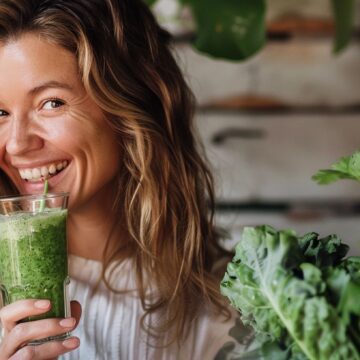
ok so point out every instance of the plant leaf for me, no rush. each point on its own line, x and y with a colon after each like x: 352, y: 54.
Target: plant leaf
x: 344, y: 291
x: 327, y: 251
x: 346, y: 168
x: 272, y: 351
x: 328, y: 176
x: 150, y: 2
x: 344, y: 21
x: 230, y: 29
x: 352, y: 266
x: 354, y: 165
x: 285, y: 300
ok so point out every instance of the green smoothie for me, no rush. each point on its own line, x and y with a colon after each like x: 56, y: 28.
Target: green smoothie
x: 33, y: 258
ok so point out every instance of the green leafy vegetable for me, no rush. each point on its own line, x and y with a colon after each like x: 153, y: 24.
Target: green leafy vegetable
x: 346, y: 168
x: 230, y: 29
x: 344, y: 11
x: 299, y: 294
x: 150, y: 2
x: 235, y: 30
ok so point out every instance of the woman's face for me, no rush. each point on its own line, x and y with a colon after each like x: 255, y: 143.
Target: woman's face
x: 49, y: 126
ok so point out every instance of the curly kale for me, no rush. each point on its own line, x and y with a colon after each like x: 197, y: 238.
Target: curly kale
x: 299, y: 294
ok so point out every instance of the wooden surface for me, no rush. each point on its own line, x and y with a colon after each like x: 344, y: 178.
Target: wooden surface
x: 271, y: 157
x: 272, y: 121
x: 296, y: 73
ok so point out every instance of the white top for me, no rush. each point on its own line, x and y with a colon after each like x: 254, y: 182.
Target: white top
x: 110, y: 325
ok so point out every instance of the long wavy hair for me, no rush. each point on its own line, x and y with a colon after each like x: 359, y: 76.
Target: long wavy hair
x: 165, y: 191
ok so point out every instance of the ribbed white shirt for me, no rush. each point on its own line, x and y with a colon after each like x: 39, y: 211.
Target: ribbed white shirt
x: 110, y: 324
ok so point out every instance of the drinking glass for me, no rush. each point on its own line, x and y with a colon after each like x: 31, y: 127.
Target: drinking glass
x: 33, y: 253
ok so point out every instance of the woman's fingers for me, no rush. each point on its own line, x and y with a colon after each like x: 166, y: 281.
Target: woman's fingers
x: 49, y: 350
x: 11, y: 314
x: 18, y: 335
x: 23, y: 333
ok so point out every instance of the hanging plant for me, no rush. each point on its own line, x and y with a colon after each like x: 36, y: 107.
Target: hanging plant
x: 236, y: 29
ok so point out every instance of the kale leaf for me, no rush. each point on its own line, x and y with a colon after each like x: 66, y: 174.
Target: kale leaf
x: 299, y: 294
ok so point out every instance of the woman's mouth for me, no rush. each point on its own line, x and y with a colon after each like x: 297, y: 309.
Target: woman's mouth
x: 43, y: 172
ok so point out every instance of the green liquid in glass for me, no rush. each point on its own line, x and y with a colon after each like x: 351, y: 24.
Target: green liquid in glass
x: 33, y: 259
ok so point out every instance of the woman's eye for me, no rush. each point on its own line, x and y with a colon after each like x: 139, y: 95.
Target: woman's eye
x: 3, y: 113
x: 52, y: 104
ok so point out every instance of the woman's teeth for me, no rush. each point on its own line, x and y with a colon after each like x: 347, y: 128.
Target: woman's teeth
x: 43, y: 172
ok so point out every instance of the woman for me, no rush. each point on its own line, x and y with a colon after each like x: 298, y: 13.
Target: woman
x: 92, y: 85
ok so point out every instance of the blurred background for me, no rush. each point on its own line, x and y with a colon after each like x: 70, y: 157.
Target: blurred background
x: 269, y: 122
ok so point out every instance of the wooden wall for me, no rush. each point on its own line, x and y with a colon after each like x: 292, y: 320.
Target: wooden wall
x: 270, y: 122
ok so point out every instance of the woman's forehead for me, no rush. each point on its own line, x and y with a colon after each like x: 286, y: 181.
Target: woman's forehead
x: 36, y: 63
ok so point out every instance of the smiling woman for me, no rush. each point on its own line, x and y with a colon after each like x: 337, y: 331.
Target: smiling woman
x: 92, y: 99
x: 50, y: 126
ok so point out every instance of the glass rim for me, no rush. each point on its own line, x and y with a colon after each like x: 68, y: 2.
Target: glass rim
x: 5, y: 198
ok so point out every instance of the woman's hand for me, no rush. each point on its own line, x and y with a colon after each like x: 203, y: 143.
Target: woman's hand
x: 16, y: 336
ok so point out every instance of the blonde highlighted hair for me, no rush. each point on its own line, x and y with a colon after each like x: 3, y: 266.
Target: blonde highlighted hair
x: 165, y: 194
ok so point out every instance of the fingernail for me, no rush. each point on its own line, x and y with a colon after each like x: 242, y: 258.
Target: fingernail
x: 42, y: 304
x: 71, y: 343
x: 67, y: 323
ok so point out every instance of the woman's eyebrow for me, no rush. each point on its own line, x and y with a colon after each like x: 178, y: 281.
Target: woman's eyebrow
x: 49, y: 84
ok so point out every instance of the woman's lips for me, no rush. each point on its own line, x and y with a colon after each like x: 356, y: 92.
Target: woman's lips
x: 37, y: 186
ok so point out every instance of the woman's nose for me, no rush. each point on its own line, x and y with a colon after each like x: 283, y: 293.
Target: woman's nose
x: 21, y: 138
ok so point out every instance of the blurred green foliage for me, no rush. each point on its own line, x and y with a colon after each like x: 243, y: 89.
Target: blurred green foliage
x: 236, y: 30
x: 344, y: 18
